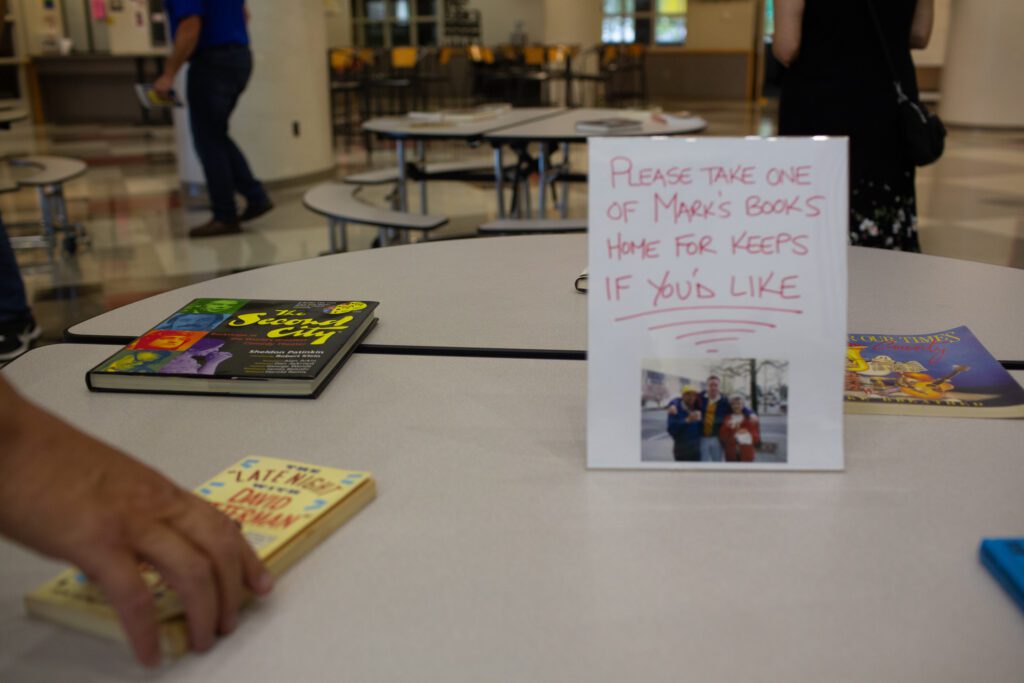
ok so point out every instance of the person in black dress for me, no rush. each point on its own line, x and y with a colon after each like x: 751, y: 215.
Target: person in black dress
x: 837, y: 83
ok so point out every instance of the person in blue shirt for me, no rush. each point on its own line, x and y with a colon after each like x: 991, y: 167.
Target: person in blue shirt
x: 684, y: 425
x: 211, y: 36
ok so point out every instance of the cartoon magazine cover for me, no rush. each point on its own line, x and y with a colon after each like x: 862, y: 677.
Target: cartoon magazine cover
x: 945, y: 373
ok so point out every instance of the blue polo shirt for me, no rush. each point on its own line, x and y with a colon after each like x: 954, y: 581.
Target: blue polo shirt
x: 223, y: 20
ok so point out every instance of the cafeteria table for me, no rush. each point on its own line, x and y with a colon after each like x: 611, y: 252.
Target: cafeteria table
x: 560, y: 130
x: 493, y: 554
x: 403, y: 129
x: 514, y: 296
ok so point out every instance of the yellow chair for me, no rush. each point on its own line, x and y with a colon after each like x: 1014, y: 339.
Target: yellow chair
x: 342, y: 58
x: 445, y: 56
x: 534, y: 55
x: 404, y: 57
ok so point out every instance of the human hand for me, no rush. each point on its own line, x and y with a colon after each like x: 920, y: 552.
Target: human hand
x: 163, y: 86
x: 672, y: 410
x: 72, y: 497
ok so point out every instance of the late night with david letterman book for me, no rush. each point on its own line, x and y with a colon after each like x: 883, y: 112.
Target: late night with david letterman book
x: 948, y: 373
x: 285, y: 509
x: 241, y: 347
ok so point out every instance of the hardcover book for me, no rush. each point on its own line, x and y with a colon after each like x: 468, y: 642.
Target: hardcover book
x: 284, y: 508
x: 947, y: 373
x: 243, y: 347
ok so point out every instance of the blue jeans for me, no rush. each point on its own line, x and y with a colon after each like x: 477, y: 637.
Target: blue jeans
x: 216, y: 79
x: 711, y: 449
x: 13, y: 304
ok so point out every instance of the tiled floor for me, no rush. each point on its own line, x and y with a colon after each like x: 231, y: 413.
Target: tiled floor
x: 971, y: 206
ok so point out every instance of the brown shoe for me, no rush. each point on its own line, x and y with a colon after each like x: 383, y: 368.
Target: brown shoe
x: 214, y: 227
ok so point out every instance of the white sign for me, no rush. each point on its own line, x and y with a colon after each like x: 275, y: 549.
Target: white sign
x: 717, y: 303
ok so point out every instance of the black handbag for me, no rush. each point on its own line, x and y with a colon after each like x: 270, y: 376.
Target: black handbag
x: 924, y: 136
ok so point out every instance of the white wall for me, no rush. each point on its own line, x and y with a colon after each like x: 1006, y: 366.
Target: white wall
x: 572, y: 22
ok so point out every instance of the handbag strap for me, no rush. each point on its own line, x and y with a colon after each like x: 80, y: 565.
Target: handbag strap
x: 900, y: 95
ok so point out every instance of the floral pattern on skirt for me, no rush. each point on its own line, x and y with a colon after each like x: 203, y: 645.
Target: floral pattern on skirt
x: 884, y: 215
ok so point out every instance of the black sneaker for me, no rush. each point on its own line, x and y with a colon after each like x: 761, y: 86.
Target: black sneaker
x: 16, y: 336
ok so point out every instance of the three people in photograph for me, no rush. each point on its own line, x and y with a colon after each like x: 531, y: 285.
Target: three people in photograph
x: 706, y: 426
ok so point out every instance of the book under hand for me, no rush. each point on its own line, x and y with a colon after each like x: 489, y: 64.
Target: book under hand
x: 240, y: 347
x: 284, y: 509
x: 612, y: 125
x: 948, y: 373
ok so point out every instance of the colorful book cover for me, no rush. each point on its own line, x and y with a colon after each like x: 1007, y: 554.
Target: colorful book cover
x: 245, y: 339
x: 284, y: 508
x: 946, y: 373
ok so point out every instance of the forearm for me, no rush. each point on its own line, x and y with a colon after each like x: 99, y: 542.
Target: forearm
x: 789, y: 15
x: 185, y: 40
x: 12, y: 418
x: 23, y: 465
x: 921, y: 26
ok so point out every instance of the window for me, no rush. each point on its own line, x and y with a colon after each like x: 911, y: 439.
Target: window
x: 388, y: 23
x: 657, y: 22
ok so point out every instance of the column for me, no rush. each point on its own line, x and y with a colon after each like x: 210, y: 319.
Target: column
x: 981, y: 80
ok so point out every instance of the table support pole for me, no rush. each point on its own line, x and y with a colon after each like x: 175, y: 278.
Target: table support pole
x: 542, y: 183
x: 527, y: 202
x: 421, y: 156
x: 499, y: 178
x: 403, y: 200
x: 564, y: 199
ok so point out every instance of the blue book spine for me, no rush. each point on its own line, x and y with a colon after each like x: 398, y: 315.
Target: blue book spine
x: 1004, y: 558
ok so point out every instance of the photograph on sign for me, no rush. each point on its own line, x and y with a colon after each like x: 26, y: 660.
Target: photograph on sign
x: 718, y: 266
x: 721, y: 410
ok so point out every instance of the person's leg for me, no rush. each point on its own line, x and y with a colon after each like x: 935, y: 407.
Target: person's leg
x: 13, y: 303
x: 679, y: 450
x: 718, y: 450
x: 245, y: 183
x: 711, y: 449
x: 705, y: 448
x: 691, y: 451
x: 211, y: 97
x: 17, y: 326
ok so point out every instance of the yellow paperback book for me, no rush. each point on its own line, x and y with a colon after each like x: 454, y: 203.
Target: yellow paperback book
x: 285, y: 509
